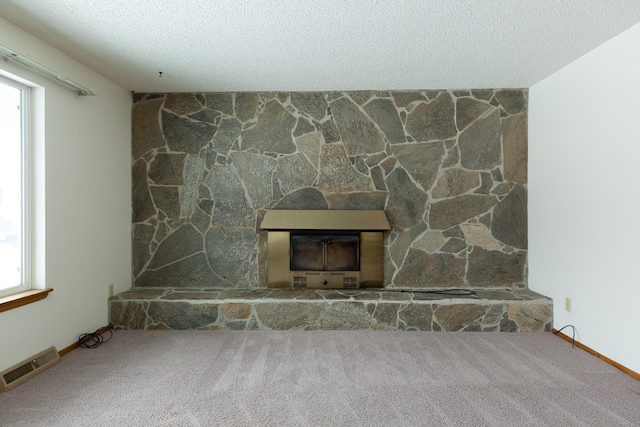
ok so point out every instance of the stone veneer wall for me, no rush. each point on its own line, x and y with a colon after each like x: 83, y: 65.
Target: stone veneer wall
x: 448, y: 167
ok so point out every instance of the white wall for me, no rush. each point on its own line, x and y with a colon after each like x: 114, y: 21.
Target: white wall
x: 83, y: 239
x: 584, y: 196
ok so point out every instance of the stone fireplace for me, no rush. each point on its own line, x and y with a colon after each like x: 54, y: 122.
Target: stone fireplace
x: 325, y: 249
x: 446, y: 168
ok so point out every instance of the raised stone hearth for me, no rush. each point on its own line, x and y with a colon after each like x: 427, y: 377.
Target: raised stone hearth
x: 505, y: 310
x: 447, y: 167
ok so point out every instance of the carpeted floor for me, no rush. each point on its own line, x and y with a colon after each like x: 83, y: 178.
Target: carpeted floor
x: 326, y: 378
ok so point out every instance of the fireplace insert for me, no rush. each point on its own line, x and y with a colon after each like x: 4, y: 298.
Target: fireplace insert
x: 324, y: 259
x: 325, y: 251
x: 318, y: 249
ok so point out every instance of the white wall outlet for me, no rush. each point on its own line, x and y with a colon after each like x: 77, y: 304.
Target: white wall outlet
x: 110, y: 290
x: 567, y: 304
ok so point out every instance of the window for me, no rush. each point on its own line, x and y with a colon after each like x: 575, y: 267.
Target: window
x: 14, y: 224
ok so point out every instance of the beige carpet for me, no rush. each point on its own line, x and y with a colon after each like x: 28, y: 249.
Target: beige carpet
x: 326, y: 378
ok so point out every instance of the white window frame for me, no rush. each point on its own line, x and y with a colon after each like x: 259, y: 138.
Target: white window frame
x: 26, y: 190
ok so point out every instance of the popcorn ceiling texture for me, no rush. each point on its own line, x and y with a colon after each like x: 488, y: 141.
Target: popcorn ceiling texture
x: 250, y: 45
x: 448, y: 167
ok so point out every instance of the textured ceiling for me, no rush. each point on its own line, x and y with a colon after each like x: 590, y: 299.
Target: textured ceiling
x: 305, y: 45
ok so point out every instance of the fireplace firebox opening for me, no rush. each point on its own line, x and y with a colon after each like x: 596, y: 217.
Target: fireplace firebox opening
x: 325, y: 249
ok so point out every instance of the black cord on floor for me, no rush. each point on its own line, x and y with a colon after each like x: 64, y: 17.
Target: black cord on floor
x: 97, y: 338
x: 573, y: 338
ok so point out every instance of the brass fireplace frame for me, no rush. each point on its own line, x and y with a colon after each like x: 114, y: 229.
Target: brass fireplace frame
x: 371, y: 225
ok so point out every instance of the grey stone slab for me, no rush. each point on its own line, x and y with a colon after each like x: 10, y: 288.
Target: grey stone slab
x: 421, y: 160
x: 417, y: 316
x: 222, y: 102
x: 193, y: 173
x: 374, y: 200
x: 183, y: 315
x: 329, y: 131
x: 434, y: 120
x: 497, y: 295
x: 146, y: 133
x: 190, y: 272
x: 183, y: 242
x: 398, y: 249
x: 494, y: 268
x: 453, y: 246
x: 182, y: 103
x: 273, y: 131
x: 509, y: 221
x: 142, y: 204
x: 514, y: 148
x: 246, y: 294
x: 166, y: 169
x: 309, y: 144
x: 404, y: 99
x: 185, y: 135
x: 454, y: 231
x: 456, y: 317
x: 468, y: 110
x: 530, y: 317
x: 449, y: 212
x: 201, y: 220
x: 384, y: 113
x: 284, y: 316
x: 337, y: 174
x: 421, y: 269
x: 378, y: 178
x: 207, y: 116
x: 512, y: 100
x: 508, y: 325
x: 198, y: 295
x: 480, y: 146
x: 127, y: 314
x: 167, y: 199
x: 454, y: 182
x: 235, y: 310
x: 358, y: 133
x: 227, y: 135
x: 246, y: 105
x: 406, y: 203
x: 303, y: 127
x: 255, y: 173
x: 142, y: 293
x: 310, y: 103
x: 386, y: 316
x: 142, y: 235
x: 345, y: 315
x: 231, y: 208
x: 487, y: 184
x: 305, y: 198
x: 494, y: 315
x: 232, y: 254
x: 483, y: 94
x: 294, y: 171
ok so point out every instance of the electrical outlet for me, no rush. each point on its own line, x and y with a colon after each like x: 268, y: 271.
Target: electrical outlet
x: 110, y: 290
x: 567, y: 304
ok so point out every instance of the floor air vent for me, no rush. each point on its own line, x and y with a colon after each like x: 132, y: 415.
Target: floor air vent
x: 21, y: 372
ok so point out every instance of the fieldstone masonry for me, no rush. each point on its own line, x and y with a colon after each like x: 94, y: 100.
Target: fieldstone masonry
x: 448, y: 167
x: 502, y: 310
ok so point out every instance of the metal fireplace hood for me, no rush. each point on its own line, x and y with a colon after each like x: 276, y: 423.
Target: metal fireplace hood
x: 362, y: 220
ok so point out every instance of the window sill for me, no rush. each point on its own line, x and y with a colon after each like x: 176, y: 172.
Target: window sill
x: 22, y: 298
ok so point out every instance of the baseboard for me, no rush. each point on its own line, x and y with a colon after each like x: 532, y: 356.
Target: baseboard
x: 76, y: 344
x: 613, y: 363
